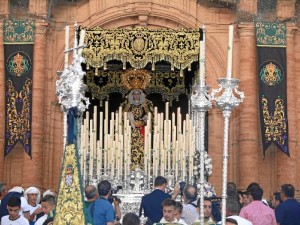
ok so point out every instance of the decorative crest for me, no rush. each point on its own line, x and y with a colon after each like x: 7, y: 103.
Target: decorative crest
x: 136, y: 79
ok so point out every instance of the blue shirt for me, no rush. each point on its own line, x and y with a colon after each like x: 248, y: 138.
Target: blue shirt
x: 288, y: 212
x: 151, y: 204
x: 103, y: 212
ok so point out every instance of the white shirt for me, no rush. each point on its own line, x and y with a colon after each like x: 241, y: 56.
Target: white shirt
x: 164, y: 221
x: 181, y: 221
x: 32, y: 209
x: 20, y: 221
x: 239, y: 220
x: 24, y: 206
x: 41, y: 220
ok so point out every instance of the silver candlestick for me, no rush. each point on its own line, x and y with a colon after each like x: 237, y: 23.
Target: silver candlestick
x: 201, y: 102
x: 226, y: 102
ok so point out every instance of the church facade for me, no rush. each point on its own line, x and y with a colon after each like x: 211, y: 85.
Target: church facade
x: 246, y: 161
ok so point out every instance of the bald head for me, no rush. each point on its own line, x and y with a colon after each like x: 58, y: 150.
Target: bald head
x: 190, y: 193
x: 91, y: 193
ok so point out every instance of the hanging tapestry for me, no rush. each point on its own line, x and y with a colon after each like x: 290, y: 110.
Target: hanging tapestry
x: 18, y: 54
x: 272, y: 78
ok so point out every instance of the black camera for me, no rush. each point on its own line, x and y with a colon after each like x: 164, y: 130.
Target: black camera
x: 114, y: 191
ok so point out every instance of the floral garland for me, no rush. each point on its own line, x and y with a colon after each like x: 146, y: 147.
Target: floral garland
x: 207, y: 165
x: 209, y: 190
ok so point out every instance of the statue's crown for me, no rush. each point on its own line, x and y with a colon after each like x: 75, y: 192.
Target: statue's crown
x: 136, y: 79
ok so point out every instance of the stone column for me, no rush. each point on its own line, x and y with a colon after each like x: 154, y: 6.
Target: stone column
x: 287, y: 165
x: 32, y: 168
x: 248, y: 111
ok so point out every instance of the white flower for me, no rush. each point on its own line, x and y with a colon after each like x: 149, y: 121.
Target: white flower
x: 207, y: 165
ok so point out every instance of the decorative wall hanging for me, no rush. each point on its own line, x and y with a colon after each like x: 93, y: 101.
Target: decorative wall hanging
x: 272, y: 77
x: 18, y: 53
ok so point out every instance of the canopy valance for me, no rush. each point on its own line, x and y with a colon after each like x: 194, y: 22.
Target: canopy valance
x: 140, y: 46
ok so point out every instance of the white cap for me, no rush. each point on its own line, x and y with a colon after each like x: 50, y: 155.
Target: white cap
x: 17, y: 189
x: 33, y: 190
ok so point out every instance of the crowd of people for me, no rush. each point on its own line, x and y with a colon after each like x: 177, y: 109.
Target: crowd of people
x: 26, y: 207
x: 158, y: 207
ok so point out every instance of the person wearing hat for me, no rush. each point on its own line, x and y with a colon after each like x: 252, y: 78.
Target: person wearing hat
x: 33, y: 195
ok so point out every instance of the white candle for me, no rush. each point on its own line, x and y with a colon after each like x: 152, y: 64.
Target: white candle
x: 101, y: 130
x: 99, y: 157
x: 230, y: 47
x: 67, y: 33
x: 81, y: 41
x: 167, y: 110
x: 202, y: 59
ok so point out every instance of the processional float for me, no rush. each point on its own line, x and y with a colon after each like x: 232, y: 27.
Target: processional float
x: 109, y: 156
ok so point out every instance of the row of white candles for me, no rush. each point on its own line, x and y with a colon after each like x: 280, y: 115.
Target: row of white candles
x: 168, y: 146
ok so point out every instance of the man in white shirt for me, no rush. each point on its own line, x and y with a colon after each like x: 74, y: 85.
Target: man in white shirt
x: 169, y: 206
x: 233, y: 210
x: 48, y: 205
x: 13, y: 217
x: 33, y: 196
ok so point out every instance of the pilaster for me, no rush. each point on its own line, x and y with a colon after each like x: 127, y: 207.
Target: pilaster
x: 38, y: 102
x: 248, y: 117
x: 287, y: 165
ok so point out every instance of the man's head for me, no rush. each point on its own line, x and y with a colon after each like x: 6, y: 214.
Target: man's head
x: 14, y: 207
x: 104, y: 188
x: 3, y: 190
x: 287, y: 191
x: 256, y: 192
x: 276, y: 200
x: 189, y: 193
x: 169, y: 206
x: 131, y: 219
x: 207, y: 208
x: 33, y: 195
x: 91, y: 193
x: 48, y: 203
x: 160, y: 183
x: 178, y: 210
x: 250, y: 186
x: 245, y: 198
x: 231, y: 187
x: 232, y: 207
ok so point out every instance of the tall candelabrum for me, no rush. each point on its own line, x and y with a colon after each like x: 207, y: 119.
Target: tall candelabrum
x: 228, y: 99
x: 201, y: 103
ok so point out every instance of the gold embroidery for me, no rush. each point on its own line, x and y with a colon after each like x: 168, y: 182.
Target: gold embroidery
x: 18, y: 123
x: 275, y: 126
x: 141, y: 46
x: 70, y: 208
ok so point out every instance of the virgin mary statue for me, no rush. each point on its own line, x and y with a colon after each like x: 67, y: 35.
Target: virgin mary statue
x: 137, y: 107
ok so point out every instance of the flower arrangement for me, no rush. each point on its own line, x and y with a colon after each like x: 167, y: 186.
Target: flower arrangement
x: 209, y: 190
x: 207, y: 165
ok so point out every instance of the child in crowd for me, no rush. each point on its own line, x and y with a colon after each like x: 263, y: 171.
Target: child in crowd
x: 13, y: 217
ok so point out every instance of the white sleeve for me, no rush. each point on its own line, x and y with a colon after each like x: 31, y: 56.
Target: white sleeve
x: 24, y: 205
